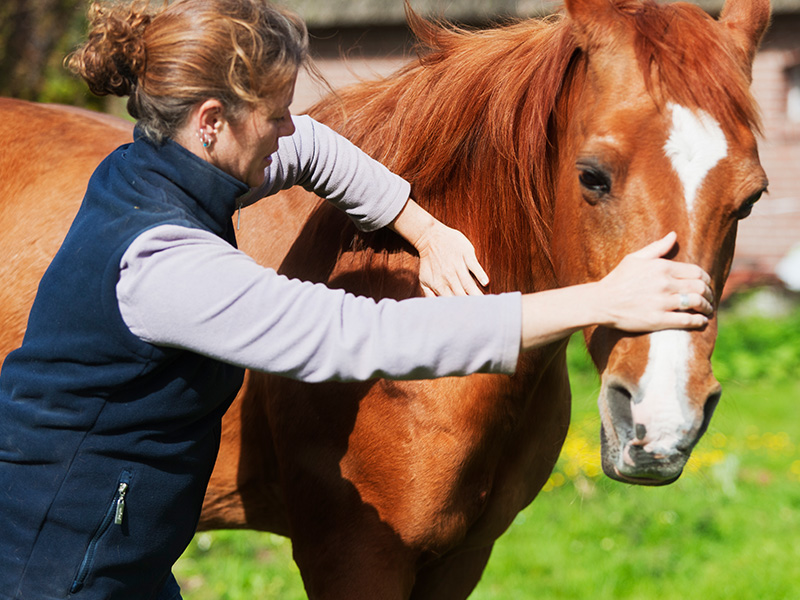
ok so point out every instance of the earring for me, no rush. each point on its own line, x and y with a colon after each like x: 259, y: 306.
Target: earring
x: 204, y: 138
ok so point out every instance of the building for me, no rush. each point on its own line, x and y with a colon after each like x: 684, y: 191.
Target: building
x: 368, y: 38
x: 774, y: 227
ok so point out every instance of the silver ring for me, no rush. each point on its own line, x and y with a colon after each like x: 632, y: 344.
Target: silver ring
x: 683, y: 301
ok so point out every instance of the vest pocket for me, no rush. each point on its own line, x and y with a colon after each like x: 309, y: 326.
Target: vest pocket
x: 114, y: 516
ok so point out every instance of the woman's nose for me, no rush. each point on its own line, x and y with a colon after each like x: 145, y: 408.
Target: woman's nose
x: 288, y: 126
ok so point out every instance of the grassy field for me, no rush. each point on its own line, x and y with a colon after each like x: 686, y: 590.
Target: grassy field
x: 726, y: 530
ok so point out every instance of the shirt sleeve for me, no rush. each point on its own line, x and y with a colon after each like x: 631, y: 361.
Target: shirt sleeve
x: 322, y: 161
x: 186, y: 288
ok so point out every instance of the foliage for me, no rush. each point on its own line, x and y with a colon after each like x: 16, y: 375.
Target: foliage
x: 35, y: 37
x: 726, y: 529
x: 758, y: 348
x: 239, y: 565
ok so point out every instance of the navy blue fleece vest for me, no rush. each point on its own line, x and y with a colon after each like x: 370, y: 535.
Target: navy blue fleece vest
x: 107, y: 442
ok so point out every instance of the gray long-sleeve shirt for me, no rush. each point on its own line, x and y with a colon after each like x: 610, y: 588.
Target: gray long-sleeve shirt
x: 187, y: 288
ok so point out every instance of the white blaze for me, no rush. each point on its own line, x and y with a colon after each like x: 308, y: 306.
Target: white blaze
x: 696, y: 144
x: 664, y: 407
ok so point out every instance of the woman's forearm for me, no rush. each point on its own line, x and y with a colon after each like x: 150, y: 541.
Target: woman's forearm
x: 554, y: 314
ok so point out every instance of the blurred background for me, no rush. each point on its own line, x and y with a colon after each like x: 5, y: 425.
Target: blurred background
x: 728, y: 528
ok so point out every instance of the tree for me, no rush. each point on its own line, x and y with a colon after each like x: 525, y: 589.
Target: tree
x: 35, y: 36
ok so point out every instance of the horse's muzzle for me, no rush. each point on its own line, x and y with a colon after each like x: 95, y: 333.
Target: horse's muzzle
x: 632, y: 454
x: 639, y: 467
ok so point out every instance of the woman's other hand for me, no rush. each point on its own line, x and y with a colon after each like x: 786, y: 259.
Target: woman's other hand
x: 448, y: 265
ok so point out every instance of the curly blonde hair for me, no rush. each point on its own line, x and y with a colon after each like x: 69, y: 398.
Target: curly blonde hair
x: 240, y: 52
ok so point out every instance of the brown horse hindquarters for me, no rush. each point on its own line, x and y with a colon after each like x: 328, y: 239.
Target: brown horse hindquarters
x: 46, y: 158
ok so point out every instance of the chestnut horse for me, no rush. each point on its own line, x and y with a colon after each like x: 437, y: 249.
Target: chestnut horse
x: 558, y: 146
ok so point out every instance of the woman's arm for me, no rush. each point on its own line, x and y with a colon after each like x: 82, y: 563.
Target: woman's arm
x: 322, y: 161
x: 187, y: 288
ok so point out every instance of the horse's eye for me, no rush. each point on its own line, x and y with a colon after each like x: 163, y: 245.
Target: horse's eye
x: 747, y: 206
x: 595, y: 180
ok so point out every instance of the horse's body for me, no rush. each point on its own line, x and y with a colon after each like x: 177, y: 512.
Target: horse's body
x: 557, y: 147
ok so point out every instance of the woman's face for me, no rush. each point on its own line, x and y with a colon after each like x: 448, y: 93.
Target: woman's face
x: 243, y: 148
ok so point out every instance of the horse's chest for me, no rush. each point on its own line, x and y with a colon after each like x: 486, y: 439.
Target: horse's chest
x: 458, y: 481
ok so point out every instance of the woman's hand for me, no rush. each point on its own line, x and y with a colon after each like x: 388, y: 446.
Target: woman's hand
x: 645, y: 292
x: 448, y: 265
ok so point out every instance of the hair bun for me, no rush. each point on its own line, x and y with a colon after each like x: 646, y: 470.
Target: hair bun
x: 113, y: 59
x: 243, y: 53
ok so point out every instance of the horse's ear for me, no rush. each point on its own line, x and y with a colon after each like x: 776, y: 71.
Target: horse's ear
x: 592, y: 18
x: 747, y: 20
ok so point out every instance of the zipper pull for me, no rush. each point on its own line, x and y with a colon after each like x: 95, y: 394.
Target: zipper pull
x: 121, y: 493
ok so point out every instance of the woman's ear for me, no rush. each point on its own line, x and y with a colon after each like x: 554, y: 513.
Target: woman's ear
x: 208, y: 120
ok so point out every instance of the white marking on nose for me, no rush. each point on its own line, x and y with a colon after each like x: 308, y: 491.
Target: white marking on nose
x: 696, y: 144
x: 663, y: 405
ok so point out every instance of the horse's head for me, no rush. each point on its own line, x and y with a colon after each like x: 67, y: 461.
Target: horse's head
x: 656, y: 134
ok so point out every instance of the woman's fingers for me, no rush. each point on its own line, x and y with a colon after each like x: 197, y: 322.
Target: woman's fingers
x: 692, y: 282
x: 471, y: 275
x: 682, y: 320
x: 691, y: 301
x: 658, y: 248
x: 476, y: 270
x: 448, y: 264
x: 647, y: 292
x: 677, y: 270
x: 469, y: 287
x: 682, y: 270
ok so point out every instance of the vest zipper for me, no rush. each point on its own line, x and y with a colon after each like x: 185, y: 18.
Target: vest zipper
x: 114, y: 514
x: 119, y: 511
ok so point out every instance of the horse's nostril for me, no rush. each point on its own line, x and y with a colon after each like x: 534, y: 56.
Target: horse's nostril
x: 619, y: 393
x: 619, y: 406
x: 641, y: 431
x: 708, y: 410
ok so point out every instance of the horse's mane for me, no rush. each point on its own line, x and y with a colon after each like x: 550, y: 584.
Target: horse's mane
x: 467, y: 125
x: 470, y: 124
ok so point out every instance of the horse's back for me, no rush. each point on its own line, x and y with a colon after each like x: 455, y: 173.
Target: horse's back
x: 49, y: 149
x: 47, y: 155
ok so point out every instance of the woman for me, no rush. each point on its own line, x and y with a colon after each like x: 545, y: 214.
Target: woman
x: 143, y: 324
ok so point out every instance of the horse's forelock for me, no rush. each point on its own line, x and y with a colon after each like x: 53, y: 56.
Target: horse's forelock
x: 685, y: 60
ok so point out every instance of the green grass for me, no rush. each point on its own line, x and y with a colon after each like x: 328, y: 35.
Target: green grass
x: 727, y: 529
x: 239, y: 565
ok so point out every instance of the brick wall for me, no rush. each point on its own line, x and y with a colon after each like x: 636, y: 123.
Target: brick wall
x: 774, y: 227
